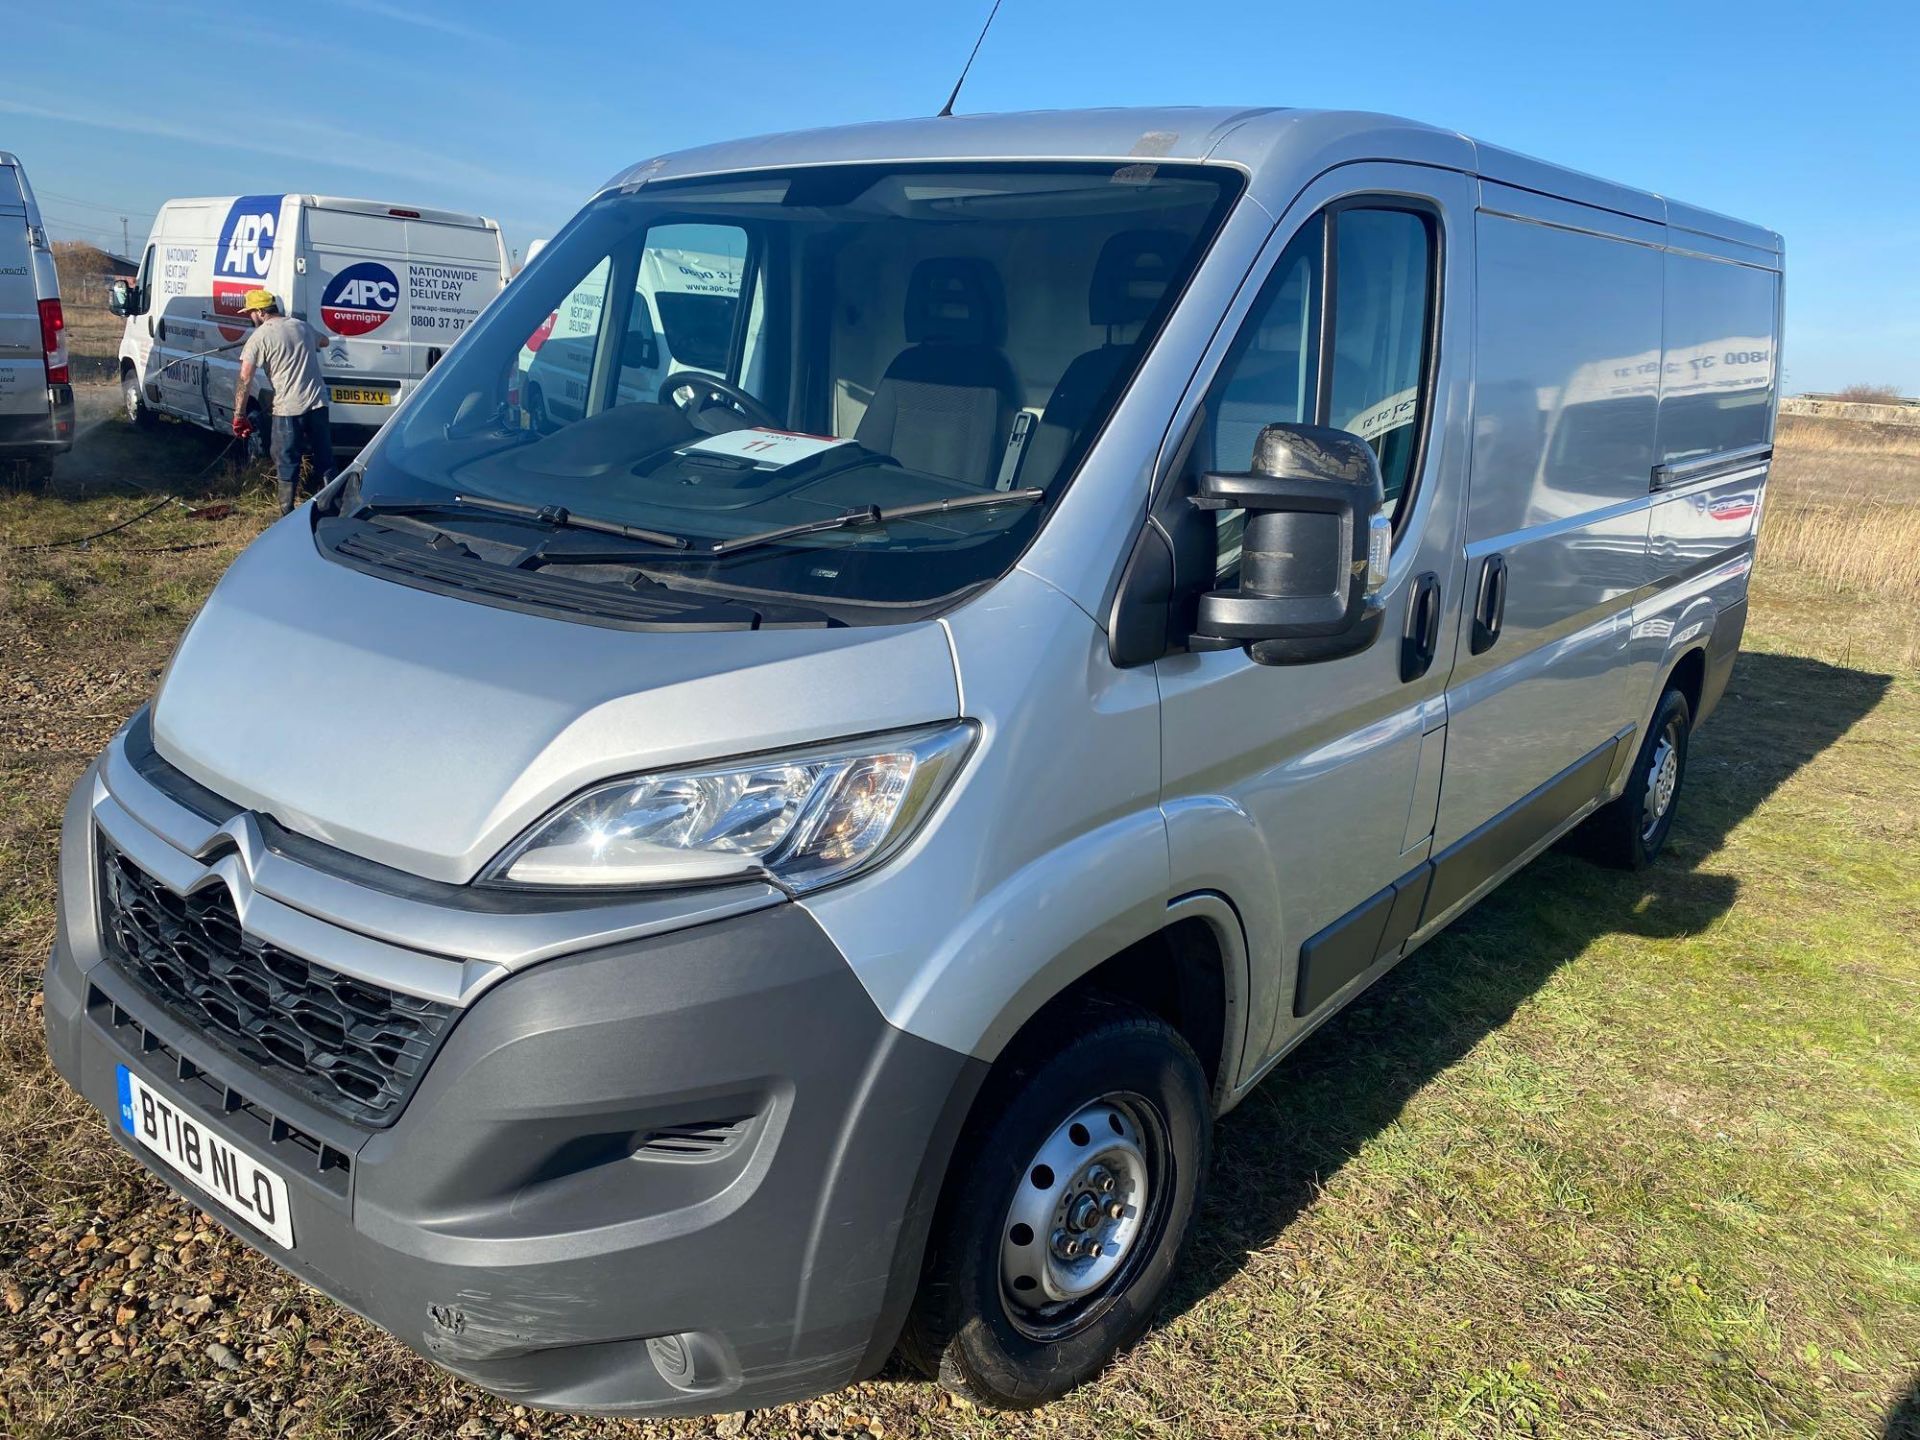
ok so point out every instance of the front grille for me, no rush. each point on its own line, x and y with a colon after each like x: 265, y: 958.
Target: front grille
x: 355, y: 1049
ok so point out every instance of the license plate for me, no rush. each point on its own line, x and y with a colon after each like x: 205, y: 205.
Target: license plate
x: 229, y: 1174
x: 361, y: 395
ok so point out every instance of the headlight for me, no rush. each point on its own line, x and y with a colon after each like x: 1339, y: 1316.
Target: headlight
x: 801, y: 820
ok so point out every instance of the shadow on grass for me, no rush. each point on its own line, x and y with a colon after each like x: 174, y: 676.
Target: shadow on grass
x: 1903, y: 1421
x: 1352, y: 1078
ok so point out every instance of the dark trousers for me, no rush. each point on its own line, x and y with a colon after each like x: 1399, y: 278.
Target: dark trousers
x: 292, y: 434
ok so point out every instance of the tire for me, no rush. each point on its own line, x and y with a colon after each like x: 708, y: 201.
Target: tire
x: 133, y: 402
x: 1117, y: 1099
x: 1628, y: 833
x: 257, y: 448
x: 34, y: 474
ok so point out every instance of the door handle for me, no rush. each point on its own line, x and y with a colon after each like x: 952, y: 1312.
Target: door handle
x: 1489, y: 604
x: 1421, y: 636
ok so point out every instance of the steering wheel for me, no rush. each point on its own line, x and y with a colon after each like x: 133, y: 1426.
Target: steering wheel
x: 707, y: 388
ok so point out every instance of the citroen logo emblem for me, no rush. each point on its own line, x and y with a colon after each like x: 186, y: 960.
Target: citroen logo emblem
x: 231, y: 854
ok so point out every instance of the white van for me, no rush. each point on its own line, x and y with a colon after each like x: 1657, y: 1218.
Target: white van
x: 36, y: 394
x: 392, y: 286
x: 683, y: 323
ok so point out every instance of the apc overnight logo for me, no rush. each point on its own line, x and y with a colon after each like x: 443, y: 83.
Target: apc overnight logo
x: 244, y: 256
x: 246, y: 239
x: 359, y: 299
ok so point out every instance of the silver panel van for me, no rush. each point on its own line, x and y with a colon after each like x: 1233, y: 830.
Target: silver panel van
x: 661, y: 901
x: 36, y: 382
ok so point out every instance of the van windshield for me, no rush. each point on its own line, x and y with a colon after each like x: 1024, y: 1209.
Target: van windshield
x: 724, y: 359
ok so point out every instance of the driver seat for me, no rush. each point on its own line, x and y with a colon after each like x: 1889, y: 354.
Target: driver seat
x: 946, y: 403
x: 1131, y: 276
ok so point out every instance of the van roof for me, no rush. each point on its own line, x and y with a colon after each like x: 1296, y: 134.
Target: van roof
x: 341, y: 202
x: 1279, y: 146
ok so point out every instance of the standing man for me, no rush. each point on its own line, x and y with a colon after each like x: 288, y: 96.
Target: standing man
x: 286, y: 346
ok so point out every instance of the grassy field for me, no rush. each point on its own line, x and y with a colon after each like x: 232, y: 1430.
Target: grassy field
x: 1615, y: 1156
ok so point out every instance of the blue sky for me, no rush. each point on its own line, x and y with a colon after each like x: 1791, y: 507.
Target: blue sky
x: 1805, y: 119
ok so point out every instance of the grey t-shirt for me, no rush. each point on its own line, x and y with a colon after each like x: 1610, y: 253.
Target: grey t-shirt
x: 284, y: 348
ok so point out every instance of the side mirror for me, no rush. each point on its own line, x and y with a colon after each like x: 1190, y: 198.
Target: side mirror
x: 120, y: 298
x: 1314, y: 552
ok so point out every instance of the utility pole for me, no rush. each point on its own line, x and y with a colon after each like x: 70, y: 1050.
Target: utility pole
x: 126, y: 241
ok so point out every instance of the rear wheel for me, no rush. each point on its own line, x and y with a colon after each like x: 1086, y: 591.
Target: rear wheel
x: 1629, y: 833
x: 1066, y: 1208
x: 34, y: 474
x: 133, y: 400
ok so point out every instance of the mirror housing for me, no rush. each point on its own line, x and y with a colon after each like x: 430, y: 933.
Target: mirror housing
x: 120, y: 298
x: 1314, y: 552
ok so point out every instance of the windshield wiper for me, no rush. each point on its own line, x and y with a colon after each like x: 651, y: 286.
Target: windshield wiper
x: 878, y: 515
x: 556, y: 515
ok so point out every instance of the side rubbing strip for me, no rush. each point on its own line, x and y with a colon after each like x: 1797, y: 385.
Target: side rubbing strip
x: 1367, y: 934
x: 1489, y: 850
x: 1341, y: 951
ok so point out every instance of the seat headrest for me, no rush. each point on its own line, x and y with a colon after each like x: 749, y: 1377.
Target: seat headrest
x: 1132, y: 274
x: 955, y: 301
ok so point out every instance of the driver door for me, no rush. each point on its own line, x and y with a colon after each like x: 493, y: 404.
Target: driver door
x: 1307, y: 793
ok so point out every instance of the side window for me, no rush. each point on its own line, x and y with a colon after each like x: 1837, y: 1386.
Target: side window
x: 1271, y: 375
x: 556, y: 362
x: 1382, y: 308
x: 143, y: 287
x: 1354, y: 358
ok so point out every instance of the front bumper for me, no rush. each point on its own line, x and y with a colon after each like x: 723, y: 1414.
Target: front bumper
x: 678, y: 1174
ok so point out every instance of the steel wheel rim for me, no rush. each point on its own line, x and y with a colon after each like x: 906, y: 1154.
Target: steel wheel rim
x: 130, y: 393
x: 1663, y: 781
x: 1084, y: 1216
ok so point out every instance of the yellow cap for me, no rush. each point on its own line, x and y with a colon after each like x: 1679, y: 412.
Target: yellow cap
x: 257, y: 300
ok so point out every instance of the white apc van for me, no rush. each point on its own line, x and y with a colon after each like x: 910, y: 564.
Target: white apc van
x: 695, y: 286
x: 36, y: 389
x: 391, y: 286
x: 814, y: 830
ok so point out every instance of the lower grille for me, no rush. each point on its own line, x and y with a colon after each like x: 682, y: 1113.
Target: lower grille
x: 355, y: 1049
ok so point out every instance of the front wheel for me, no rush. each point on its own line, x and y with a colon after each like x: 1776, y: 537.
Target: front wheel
x: 134, y: 401
x: 1066, y: 1208
x: 1628, y: 833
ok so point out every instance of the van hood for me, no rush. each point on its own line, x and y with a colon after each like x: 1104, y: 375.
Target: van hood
x: 427, y: 732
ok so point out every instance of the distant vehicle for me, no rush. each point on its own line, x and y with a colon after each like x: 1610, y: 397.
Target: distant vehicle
x: 393, y: 286
x: 36, y: 389
x: 783, y: 849
x: 694, y: 284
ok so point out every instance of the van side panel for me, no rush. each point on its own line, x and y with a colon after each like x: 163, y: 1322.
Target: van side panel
x: 1568, y: 351
x: 211, y: 252
x: 1718, y: 390
x: 23, y: 371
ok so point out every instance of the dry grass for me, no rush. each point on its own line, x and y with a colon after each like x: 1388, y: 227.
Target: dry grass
x: 1628, y: 1156
x: 1867, y: 545
x: 93, y: 331
x: 1844, y: 506
x: 1859, y: 394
